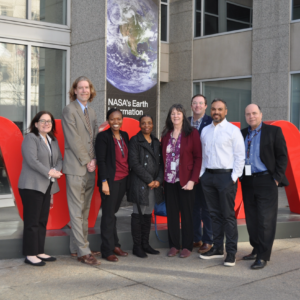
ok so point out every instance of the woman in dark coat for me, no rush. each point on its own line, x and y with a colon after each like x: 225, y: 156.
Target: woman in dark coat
x: 145, y: 184
x: 113, y: 170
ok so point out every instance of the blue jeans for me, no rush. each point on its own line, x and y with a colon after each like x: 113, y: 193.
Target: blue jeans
x: 201, y: 213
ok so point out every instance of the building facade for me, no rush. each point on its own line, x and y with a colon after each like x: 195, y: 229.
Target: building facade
x: 242, y: 51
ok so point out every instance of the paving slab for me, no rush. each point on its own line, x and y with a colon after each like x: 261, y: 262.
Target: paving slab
x: 156, y: 277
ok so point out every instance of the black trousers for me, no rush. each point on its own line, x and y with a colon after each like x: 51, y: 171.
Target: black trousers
x: 260, y: 195
x: 220, y: 191
x: 110, y: 206
x: 36, y: 207
x: 179, y: 200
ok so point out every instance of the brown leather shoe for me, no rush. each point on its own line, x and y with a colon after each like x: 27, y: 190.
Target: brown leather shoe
x: 89, y: 260
x: 94, y: 253
x: 112, y: 258
x: 197, y: 244
x: 185, y: 253
x: 204, y: 248
x: 120, y: 252
x: 173, y: 251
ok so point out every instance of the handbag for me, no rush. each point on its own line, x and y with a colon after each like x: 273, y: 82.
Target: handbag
x: 159, y: 210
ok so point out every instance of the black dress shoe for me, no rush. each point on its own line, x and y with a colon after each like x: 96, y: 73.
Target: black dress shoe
x: 250, y: 256
x: 258, y: 264
x: 51, y: 258
x: 39, y: 264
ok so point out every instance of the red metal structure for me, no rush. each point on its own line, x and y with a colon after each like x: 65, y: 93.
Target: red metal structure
x: 11, y: 140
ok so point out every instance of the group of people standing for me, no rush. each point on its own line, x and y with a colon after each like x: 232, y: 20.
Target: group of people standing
x: 194, y: 168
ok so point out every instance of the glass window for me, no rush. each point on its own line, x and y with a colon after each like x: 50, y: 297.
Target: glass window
x: 237, y: 94
x: 51, y: 11
x: 211, y: 6
x: 13, y: 83
x: 48, y: 80
x: 296, y: 10
x: 211, y: 25
x: 164, y: 22
x: 295, y: 100
x: 12, y: 94
x: 16, y: 8
x: 222, y: 16
x: 198, y: 17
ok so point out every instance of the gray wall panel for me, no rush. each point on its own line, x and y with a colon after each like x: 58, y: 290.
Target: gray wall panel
x: 88, y: 48
x: 271, y: 57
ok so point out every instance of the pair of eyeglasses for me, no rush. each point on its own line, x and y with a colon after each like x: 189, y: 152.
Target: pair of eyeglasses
x: 45, y: 122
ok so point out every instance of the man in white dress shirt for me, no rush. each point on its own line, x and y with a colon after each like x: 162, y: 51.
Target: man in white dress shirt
x: 223, y: 160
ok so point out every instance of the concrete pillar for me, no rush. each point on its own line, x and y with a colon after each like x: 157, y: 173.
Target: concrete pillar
x: 271, y: 57
x: 88, y: 47
x: 179, y: 87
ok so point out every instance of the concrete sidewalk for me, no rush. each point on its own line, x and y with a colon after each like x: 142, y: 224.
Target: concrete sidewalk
x: 157, y: 277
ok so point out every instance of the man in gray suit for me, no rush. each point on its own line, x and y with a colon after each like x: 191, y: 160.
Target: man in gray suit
x: 80, y: 130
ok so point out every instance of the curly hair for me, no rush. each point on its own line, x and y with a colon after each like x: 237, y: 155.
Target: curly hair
x: 72, y: 94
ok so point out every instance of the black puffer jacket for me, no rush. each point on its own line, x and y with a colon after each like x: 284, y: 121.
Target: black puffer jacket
x: 145, y: 166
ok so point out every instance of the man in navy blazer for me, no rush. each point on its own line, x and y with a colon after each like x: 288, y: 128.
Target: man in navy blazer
x: 200, y: 212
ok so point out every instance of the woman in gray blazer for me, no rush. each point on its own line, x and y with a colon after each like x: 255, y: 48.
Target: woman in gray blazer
x: 42, y: 162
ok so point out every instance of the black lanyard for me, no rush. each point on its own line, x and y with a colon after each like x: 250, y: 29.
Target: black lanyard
x: 121, y: 147
x: 249, y: 141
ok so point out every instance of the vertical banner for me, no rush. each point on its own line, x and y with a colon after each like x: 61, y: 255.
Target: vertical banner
x: 132, y: 57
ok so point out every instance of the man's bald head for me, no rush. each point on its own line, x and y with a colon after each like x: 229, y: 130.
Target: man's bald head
x: 253, y: 115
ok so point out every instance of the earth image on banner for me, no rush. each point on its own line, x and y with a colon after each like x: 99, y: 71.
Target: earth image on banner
x: 132, y: 33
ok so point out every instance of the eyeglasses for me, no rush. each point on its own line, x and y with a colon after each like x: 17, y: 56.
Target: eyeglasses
x: 45, y: 122
x: 200, y: 103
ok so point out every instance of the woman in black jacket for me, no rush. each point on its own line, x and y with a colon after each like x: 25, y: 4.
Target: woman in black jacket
x: 113, y: 170
x: 146, y: 177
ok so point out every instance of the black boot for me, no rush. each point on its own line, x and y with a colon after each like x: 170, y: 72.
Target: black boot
x: 146, y: 226
x: 136, y: 236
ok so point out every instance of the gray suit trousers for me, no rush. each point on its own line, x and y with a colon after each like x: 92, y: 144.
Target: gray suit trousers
x: 79, y: 193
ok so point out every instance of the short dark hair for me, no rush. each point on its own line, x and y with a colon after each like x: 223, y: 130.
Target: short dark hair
x: 217, y: 99
x: 186, y: 126
x: 145, y: 115
x: 36, y: 118
x: 199, y: 95
x: 112, y: 110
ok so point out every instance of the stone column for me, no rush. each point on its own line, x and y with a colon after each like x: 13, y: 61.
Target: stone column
x: 271, y: 57
x: 88, y: 47
x: 179, y: 87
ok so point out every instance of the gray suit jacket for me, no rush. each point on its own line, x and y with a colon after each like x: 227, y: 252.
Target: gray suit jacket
x: 37, y: 163
x: 77, y: 138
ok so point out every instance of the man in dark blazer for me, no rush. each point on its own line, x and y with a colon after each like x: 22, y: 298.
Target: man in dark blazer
x: 265, y: 165
x: 200, y: 211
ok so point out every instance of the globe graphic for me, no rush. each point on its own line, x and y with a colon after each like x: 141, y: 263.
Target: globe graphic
x: 132, y: 32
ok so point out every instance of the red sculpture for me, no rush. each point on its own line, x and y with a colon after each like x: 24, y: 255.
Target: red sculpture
x: 11, y: 140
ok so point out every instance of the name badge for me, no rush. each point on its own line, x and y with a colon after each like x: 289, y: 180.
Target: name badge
x: 248, y: 170
x: 173, y: 166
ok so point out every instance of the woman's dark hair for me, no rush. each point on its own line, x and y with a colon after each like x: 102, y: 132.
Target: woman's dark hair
x: 186, y: 126
x: 112, y: 110
x: 143, y: 116
x: 37, y: 117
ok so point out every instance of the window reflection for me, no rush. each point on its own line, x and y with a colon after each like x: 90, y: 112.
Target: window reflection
x: 48, y: 80
x: 51, y: 11
x: 222, y: 16
x: 10, y: 8
x: 237, y: 94
x: 13, y: 83
x: 295, y: 100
